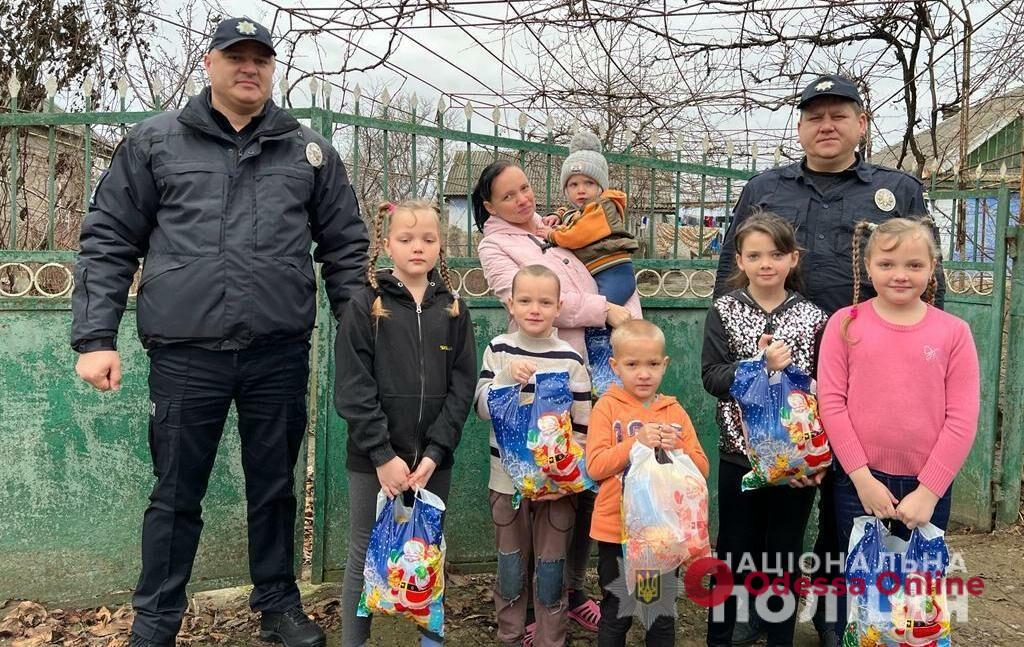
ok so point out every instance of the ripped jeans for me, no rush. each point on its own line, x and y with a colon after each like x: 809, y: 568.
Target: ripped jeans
x: 531, y: 541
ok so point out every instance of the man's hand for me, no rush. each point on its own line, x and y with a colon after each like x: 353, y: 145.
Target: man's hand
x: 100, y: 368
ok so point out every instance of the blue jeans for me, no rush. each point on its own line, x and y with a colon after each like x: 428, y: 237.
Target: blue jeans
x: 617, y: 283
x: 848, y: 508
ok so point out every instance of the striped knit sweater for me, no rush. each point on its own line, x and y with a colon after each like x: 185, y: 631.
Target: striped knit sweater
x: 550, y: 354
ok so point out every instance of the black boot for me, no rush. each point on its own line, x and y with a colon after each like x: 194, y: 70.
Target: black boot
x: 138, y: 641
x: 293, y: 628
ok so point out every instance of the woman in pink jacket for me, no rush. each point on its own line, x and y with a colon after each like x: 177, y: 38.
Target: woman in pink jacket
x: 505, y: 210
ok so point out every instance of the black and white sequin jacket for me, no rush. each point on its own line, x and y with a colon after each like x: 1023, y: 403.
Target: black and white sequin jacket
x: 735, y: 323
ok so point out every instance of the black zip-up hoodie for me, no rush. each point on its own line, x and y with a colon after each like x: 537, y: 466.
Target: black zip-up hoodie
x: 734, y: 325
x: 404, y: 384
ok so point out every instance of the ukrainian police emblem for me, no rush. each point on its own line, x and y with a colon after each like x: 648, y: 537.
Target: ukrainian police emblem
x: 314, y: 155
x: 885, y: 200
x: 246, y: 28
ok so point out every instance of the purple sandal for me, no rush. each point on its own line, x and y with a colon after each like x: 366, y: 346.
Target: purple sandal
x: 586, y: 615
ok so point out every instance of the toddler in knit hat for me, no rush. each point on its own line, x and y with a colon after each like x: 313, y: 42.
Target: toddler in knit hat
x: 594, y: 223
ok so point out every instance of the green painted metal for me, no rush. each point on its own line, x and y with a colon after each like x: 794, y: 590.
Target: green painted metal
x: 469, y: 197
x: 703, y: 198
x: 87, y: 166
x: 1012, y: 439
x: 415, y: 188
x: 13, y: 179
x: 51, y: 180
x: 654, y: 221
x: 75, y: 471
x: 675, y: 213
x: 355, y: 150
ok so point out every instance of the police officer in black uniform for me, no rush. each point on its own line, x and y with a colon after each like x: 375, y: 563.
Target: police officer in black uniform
x: 824, y: 195
x: 224, y: 199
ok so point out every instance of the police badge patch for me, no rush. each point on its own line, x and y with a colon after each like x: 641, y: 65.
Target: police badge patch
x: 246, y: 28
x: 314, y: 155
x: 885, y: 200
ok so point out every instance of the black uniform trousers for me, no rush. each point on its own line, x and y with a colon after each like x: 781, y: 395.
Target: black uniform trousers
x: 191, y: 390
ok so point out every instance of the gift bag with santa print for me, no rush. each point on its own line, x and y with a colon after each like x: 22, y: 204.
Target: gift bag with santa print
x: 664, y: 513
x: 404, y: 571
x: 550, y: 436
x: 782, y: 432
x: 535, y: 440
x: 897, y: 595
x: 511, y: 422
x: 599, y: 354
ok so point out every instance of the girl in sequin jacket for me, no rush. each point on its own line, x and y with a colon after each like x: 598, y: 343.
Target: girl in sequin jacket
x: 766, y: 312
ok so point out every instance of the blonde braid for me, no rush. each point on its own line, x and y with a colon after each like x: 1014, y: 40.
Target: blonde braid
x: 453, y: 309
x: 377, y: 310
x: 933, y: 288
x: 858, y: 235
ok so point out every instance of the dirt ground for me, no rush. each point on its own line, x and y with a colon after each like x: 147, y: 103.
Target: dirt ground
x: 995, y: 618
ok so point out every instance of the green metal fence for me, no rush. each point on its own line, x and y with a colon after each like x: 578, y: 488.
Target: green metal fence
x: 74, y: 467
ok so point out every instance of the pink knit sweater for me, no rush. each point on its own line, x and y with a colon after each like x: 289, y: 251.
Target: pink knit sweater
x: 902, y: 400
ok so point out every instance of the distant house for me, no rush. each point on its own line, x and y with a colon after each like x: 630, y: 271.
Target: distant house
x: 543, y: 173
x: 996, y: 138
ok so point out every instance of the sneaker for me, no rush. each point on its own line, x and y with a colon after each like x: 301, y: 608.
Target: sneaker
x: 293, y: 628
x: 138, y: 641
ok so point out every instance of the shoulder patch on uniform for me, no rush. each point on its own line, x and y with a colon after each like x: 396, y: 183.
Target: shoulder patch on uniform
x: 314, y: 154
x: 885, y: 200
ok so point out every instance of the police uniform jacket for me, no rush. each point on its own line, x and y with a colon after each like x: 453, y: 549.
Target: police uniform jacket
x: 225, y: 225
x: 824, y: 223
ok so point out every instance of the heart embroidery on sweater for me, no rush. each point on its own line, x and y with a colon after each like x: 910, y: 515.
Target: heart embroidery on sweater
x: 930, y: 352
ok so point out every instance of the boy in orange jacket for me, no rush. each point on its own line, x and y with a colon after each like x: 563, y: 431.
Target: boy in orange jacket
x: 594, y: 225
x: 634, y: 412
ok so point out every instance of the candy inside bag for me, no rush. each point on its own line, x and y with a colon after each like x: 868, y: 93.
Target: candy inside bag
x: 664, y: 512
x: 782, y: 431
x: 404, y: 571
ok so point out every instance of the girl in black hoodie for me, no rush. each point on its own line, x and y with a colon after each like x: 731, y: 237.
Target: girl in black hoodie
x: 405, y: 361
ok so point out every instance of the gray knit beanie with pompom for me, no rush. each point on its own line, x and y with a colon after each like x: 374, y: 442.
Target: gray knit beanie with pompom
x: 585, y: 158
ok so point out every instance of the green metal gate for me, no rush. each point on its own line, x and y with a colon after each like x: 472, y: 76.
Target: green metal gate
x: 74, y: 464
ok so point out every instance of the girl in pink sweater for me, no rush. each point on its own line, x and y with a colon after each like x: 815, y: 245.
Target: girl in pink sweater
x: 898, y: 387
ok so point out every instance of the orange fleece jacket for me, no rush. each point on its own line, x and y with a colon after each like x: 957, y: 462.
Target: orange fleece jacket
x: 619, y: 414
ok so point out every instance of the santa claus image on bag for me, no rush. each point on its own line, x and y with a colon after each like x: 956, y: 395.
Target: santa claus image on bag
x: 413, y: 575
x: 552, y: 446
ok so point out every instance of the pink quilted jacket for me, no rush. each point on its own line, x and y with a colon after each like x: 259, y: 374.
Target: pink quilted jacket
x: 505, y: 248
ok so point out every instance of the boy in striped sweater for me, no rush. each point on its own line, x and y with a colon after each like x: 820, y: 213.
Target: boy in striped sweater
x: 539, y: 529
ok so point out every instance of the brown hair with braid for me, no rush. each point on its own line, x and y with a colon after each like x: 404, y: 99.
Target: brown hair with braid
x: 381, y: 229
x: 887, y: 236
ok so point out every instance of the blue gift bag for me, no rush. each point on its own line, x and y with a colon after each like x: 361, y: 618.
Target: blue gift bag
x: 535, y: 440
x: 896, y: 598
x: 404, y: 571
x: 783, y: 434
x: 599, y: 354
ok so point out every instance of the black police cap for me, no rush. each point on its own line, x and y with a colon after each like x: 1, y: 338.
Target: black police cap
x: 235, y: 30
x: 830, y: 85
